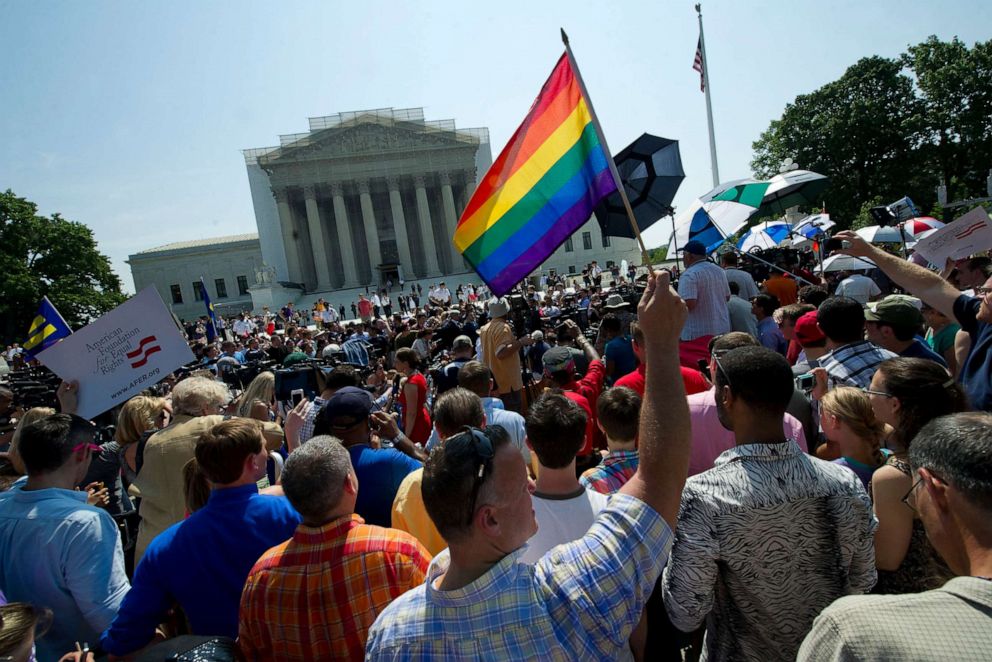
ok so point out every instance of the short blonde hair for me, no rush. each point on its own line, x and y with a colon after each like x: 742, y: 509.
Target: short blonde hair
x: 261, y: 389
x: 30, y: 416
x: 137, y: 417
x: 191, y: 395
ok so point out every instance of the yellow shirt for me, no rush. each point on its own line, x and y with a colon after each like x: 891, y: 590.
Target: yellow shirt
x: 505, y: 371
x: 410, y: 514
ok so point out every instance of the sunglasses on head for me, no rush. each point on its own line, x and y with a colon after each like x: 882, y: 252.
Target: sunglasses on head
x: 482, y: 448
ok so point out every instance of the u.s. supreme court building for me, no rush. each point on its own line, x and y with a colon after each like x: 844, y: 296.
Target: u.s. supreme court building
x: 360, y: 200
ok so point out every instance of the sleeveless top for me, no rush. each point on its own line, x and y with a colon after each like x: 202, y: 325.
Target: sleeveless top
x: 922, y: 569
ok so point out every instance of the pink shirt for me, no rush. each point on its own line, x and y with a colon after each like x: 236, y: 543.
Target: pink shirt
x: 710, y: 438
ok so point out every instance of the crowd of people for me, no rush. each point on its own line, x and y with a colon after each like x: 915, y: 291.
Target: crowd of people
x: 600, y: 466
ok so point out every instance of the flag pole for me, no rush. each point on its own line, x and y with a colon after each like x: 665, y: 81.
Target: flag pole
x: 709, y: 105
x: 645, y: 258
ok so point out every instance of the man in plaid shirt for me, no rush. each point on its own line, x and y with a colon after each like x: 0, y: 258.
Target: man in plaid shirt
x: 582, y: 599
x: 314, y: 596
x: 851, y: 360
x: 618, y: 411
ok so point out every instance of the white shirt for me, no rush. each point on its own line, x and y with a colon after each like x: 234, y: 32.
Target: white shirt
x: 858, y: 287
x: 706, y: 283
x: 444, y: 294
x: 562, y: 520
x: 744, y: 280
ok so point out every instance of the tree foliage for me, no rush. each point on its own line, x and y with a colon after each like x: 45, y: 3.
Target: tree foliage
x: 54, y: 257
x: 892, y: 127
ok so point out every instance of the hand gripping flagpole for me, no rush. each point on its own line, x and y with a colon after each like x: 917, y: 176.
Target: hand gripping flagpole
x: 609, y: 155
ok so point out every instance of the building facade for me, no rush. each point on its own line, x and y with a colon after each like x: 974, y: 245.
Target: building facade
x: 364, y: 198
x: 229, y: 266
x: 360, y: 200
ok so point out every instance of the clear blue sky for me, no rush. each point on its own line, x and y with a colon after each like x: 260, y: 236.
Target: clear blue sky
x: 130, y: 116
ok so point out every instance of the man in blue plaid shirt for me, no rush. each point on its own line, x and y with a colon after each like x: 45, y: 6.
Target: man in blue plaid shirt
x: 582, y: 599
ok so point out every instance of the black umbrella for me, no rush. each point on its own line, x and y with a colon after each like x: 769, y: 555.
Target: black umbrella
x: 651, y: 171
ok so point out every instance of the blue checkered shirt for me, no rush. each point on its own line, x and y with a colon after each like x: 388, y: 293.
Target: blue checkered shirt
x: 579, y: 602
x: 854, y: 364
x: 306, y: 430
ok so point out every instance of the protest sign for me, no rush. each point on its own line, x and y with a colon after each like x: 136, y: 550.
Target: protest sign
x: 970, y: 234
x: 132, y: 347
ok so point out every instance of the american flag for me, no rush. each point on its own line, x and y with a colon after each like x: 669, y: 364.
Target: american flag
x: 697, y: 64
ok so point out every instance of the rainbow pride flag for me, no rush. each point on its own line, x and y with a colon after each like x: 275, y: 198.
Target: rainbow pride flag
x: 541, y: 189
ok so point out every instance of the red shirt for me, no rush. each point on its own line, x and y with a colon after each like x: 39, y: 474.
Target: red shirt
x: 585, y: 393
x: 364, y: 307
x: 692, y: 379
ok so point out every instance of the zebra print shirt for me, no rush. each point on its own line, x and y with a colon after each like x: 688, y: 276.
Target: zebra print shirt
x: 765, y: 540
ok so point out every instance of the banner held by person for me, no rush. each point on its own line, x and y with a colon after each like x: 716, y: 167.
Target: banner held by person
x: 543, y: 186
x: 967, y: 235
x: 211, y: 317
x: 117, y: 356
x: 47, y: 328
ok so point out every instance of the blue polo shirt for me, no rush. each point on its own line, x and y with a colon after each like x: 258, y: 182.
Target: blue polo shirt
x: 201, y: 563
x: 920, y: 350
x: 976, y: 374
x: 379, y: 474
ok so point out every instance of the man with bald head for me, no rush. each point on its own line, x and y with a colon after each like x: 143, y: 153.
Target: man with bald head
x: 329, y: 582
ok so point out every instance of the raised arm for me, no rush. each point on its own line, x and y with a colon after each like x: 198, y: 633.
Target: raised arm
x: 913, y: 278
x: 664, y: 428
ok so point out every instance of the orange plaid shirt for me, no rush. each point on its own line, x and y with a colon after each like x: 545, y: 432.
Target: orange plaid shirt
x: 315, y: 596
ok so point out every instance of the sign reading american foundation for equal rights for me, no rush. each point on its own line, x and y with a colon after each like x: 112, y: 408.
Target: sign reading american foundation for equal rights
x: 117, y: 356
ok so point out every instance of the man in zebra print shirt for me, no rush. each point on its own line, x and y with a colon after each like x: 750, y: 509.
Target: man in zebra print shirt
x: 770, y: 535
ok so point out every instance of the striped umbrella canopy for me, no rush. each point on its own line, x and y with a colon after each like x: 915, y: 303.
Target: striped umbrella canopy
x: 717, y: 214
x: 916, y: 226
x: 765, y: 235
x: 796, y: 188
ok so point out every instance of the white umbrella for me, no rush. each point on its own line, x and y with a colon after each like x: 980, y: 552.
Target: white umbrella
x: 916, y: 227
x: 877, y: 234
x: 846, y: 263
x: 764, y: 235
x: 811, y: 227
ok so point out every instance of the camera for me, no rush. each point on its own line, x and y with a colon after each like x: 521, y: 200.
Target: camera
x: 806, y: 382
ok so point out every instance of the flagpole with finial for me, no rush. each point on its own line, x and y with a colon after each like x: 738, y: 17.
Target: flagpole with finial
x: 706, y: 90
x: 645, y: 258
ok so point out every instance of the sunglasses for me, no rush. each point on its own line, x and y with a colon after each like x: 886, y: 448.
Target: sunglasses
x: 482, y: 448
x: 716, y: 359
x: 907, y: 499
x: 873, y: 392
x: 86, y: 446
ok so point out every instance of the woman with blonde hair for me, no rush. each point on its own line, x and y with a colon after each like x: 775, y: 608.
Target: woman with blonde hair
x: 257, y: 400
x: 138, y: 417
x: 20, y: 625
x: 850, y: 426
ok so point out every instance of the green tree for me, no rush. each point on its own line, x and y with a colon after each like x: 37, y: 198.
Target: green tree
x: 955, y: 89
x: 53, y: 257
x: 861, y: 130
x: 863, y: 218
x: 659, y: 254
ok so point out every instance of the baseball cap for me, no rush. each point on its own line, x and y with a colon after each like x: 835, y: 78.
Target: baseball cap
x: 694, y: 247
x: 348, y: 402
x: 557, y: 359
x: 461, y: 341
x: 897, y: 313
x: 807, y: 329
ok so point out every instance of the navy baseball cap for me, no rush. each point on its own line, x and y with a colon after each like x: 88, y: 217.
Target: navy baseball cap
x: 349, y: 402
x: 695, y: 247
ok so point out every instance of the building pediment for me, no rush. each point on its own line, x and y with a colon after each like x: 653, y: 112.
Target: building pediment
x: 364, y: 138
